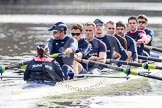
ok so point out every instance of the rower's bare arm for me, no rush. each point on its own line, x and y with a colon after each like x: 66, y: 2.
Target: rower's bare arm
x: 116, y: 55
x: 129, y: 53
x: 102, y: 57
x: 78, y: 55
x: 148, y: 39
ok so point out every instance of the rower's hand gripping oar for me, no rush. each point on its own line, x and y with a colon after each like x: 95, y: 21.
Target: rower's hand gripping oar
x: 125, y: 70
x: 58, y: 55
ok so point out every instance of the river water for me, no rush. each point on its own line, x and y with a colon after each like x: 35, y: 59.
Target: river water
x: 22, y: 27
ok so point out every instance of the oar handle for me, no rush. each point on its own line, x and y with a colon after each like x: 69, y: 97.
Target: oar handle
x: 153, y: 48
x: 123, y: 62
x: 149, y: 58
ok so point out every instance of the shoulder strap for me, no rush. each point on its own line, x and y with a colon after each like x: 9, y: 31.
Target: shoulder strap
x: 67, y: 41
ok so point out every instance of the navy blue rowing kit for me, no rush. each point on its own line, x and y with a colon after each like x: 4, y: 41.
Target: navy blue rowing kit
x: 136, y: 36
x: 97, y: 47
x: 84, y: 47
x: 59, y: 46
x: 112, y: 45
x: 43, y: 69
x: 131, y: 46
x: 122, y: 41
x: 150, y: 33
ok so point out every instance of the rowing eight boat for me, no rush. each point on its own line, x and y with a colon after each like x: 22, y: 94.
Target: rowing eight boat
x: 20, y: 90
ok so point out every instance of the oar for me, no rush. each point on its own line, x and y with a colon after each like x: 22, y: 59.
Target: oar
x: 18, y: 65
x: 153, y: 48
x: 105, y: 76
x: 11, y: 76
x: 149, y: 58
x: 23, y: 64
x: 125, y: 70
x: 58, y: 55
x: 143, y: 65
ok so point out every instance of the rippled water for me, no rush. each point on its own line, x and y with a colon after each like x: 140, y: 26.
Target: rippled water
x: 124, y: 102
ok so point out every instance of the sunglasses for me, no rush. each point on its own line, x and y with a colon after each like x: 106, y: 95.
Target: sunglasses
x: 99, y: 25
x: 143, y: 22
x: 88, y: 30
x: 55, y: 32
x: 75, y: 34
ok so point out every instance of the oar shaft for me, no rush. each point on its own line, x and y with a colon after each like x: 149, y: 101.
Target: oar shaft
x: 144, y: 65
x: 125, y: 70
x: 11, y: 76
x: 23, y: 64
x: 149, y: 76
x: 159, y: 67
x: 149, y: 58
x: 101, y: 65
x: 104, y: 76
x: 124, y: 62
x: 17, y: 65
x: 153, y: 48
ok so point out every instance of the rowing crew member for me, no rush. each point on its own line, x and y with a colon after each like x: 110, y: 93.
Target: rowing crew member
x: 98, y: 51
x: 138, y: 35
x: 84, y: 48
x: 142, y: 24
x: 42, y: 68
x: 131, y: 44
x: 61, y: 43
x: 112, y: 44
x: 110, y: 29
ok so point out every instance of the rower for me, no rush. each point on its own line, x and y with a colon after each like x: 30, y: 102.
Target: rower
x: 42, y: 68
x: 131, y: 44
x: 112, y: 44
x: 98, y: 51
x: 62, y: 43
x: 84, y: 48
x: 142, y: 24
x: 138, y: 35
x: 110, y: 30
